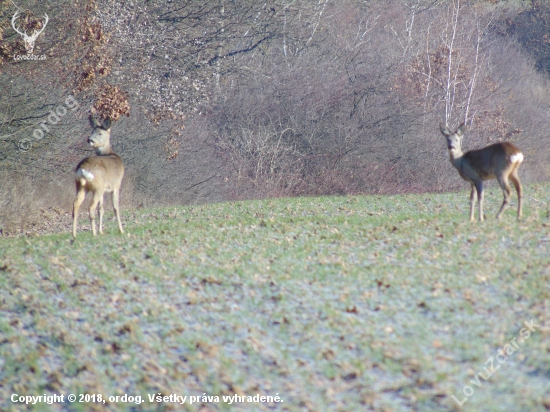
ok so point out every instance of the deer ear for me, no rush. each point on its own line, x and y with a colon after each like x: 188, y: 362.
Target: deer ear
x: 93, y: 122
x: 460, y: 130
x: 444, y: 130
x: 107, y: 123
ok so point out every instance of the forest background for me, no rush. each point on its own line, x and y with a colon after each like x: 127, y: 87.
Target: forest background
x: 227, y: 100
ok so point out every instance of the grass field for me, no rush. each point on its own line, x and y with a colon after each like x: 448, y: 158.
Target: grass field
x: 354, y: 303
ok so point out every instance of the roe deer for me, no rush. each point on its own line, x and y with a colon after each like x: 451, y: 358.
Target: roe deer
x: 98, y: 174
x: 500, y: 161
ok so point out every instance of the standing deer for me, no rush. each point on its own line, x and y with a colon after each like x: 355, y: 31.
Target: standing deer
x: 500, y: 161
x: 98, y: 174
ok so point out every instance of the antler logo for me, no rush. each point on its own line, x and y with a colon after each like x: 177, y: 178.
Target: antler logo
x: 29, y: 39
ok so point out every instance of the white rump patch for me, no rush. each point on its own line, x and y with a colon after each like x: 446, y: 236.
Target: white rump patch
x: 89, y: 176
x: 518, y: 157
x: 85, y: 174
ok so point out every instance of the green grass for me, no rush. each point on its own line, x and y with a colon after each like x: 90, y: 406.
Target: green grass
x: 338, y: 303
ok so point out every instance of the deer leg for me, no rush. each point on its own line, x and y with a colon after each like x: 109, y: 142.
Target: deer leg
x: 503, y: 182
x: 80, y: 195
x: 479, y: 189
x: 101, y: 215
x: 115, y: 206
x: 472, y: 202
x: 515, y: 180
x: 93, y: 207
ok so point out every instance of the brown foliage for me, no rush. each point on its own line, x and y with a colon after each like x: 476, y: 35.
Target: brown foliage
x: 111, y: 102
x: 96, y: 60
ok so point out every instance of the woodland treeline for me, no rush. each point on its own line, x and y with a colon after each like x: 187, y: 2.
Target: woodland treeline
x: 226, y: 100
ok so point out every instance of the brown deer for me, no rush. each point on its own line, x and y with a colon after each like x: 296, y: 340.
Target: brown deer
x: 499, y: 161
x: 98, y: 174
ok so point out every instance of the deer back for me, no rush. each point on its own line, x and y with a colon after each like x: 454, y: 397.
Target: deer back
x: 104, y: 171
x: 491, y: 161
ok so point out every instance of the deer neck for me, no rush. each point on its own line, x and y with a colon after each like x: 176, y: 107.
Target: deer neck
x: 455, y: 156
x: 104, y: 150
